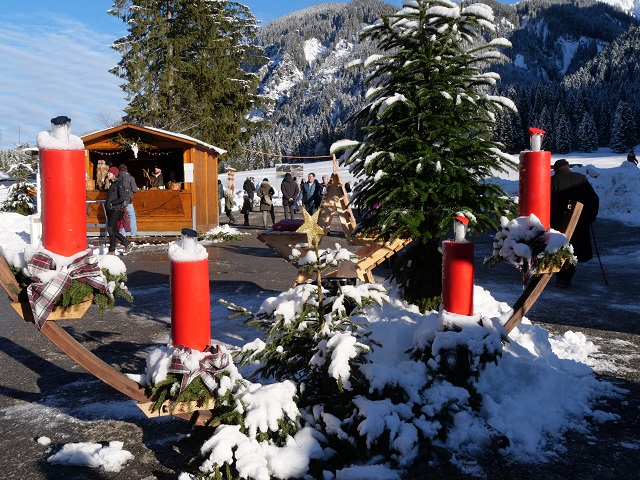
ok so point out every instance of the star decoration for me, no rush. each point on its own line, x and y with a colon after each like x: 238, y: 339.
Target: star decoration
x: 311, y: 228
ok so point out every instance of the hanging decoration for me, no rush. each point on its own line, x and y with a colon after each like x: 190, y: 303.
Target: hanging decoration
x: 134, y: 145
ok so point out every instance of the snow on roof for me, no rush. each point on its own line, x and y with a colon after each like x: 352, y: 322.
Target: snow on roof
x: 218, y: 150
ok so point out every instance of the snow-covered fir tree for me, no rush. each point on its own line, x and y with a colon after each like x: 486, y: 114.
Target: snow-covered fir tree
x: 21, y: 195
x: 427, y: 148
x: 587, y: 134
x: 623, y: 129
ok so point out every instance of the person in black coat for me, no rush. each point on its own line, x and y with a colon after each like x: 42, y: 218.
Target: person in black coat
x: 114, y: 206
x: 290, y: 192
x: 249, y: 188
x: 565, y: 187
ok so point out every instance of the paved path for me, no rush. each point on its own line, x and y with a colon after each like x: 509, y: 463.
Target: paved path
x: 43, y: 393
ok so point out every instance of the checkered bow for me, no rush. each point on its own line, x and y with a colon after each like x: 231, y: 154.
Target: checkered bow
x: 208, y: 368
x: 42, y: 295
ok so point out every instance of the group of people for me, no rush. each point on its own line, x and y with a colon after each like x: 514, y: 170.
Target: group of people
x: 308, y: 195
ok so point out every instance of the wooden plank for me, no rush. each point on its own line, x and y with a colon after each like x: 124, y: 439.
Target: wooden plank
x: 381, y: 253
x: 539, y: 282
x: 72, y: 312
x: 181, y: 408
x: 91, y: 363
x: 8, y: 279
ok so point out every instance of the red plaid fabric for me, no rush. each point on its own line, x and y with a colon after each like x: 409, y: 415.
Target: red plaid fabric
x: 42, y: 295
x: 209, y: 367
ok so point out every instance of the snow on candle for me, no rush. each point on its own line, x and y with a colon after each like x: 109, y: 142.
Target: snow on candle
x: 535, y: 138
x: 193, y: 252
x: 60, y: 137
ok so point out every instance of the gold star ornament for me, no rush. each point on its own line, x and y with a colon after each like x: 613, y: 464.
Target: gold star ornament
x: 311, y: 228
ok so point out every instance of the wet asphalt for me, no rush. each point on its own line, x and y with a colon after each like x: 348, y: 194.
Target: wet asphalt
x: 44, y: 393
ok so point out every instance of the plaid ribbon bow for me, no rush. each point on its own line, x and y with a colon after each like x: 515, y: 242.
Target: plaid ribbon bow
x: 43, y: 295
x: 208, y: 368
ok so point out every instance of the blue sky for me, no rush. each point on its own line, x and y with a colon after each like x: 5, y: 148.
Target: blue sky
x: 55, y: 58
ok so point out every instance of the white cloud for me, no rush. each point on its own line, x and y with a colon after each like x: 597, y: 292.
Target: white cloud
x: 55, y: 66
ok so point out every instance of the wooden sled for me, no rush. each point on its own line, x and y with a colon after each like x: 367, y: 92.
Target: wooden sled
x: 539, y: 282
x: 83, y: 357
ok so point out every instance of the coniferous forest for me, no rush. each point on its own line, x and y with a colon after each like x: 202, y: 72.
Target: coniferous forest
x: 572, y: 71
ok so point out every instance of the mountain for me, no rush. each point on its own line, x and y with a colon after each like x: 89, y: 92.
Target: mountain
x: 556, y: 73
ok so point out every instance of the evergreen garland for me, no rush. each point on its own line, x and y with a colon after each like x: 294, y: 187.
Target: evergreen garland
x: 535, y: 237
x: 168, y: 390
x: 213, y: 235
x: 79, y: 292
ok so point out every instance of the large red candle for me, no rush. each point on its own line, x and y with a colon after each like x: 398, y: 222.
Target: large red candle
x: 535, y: 185
x: 64, y: 208
x: 190, y: 304
x: 457, y: 277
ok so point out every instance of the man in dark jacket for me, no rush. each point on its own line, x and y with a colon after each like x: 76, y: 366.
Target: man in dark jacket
x: 114, y: 206
x: 130, y: 188
x: 565, y: 187
x: 249, y: 188
x: 290, y: 192
x: 311, y: 193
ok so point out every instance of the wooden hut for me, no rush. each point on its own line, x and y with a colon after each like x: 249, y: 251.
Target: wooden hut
x: 190, y: 173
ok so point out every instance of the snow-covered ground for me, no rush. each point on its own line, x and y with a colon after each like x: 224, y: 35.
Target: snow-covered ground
x: 520, y: 394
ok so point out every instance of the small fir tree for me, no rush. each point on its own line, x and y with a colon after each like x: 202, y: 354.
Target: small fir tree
x: 21, y: 195
x: 428, y: 150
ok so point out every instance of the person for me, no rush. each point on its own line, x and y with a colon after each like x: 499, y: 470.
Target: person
x: 114, y: 206
x: 632, y: 157
x: 228, y: 205
x: 156, y: 178
x: 220, y: 196
x: 130, y: 188
x: 565, y: 187
x: 249, y: 188
x: 310, y: 194
x: 265, y: 193
x: 347, y: 187
x: 290, y: 192
x: 246, y: 208
x: 324, y: 186
x: 299, y: 202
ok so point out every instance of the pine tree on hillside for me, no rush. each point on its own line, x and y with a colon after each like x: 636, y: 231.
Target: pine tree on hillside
x: 623, y: 136
x: 563, y: 134
x: 427, y: 149
x: 587, y: 134
x: 182, y: 63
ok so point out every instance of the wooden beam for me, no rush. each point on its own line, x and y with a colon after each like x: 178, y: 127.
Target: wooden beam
x: 93, y: 364
x: 539, y: 282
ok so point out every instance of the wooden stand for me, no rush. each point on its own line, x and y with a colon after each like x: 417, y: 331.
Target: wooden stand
x: 539, y: 282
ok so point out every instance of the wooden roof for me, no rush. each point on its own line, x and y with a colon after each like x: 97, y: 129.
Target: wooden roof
x: 159, y: 139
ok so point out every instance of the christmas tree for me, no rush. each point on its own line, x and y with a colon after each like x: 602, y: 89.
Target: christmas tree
x: 427, y: 151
